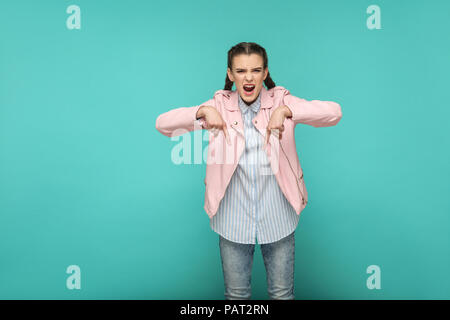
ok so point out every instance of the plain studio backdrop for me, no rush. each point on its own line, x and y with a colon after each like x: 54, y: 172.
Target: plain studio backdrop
x: 87, y: 181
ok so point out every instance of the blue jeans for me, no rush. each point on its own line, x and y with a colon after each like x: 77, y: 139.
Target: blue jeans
x: 237, y: 261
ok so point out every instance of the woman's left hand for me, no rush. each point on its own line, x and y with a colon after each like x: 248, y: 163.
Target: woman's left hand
x: 276, y: 122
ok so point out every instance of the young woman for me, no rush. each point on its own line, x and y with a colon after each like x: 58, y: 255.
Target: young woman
x: 254, y: 192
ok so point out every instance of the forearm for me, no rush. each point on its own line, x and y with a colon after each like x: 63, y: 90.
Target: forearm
x: 316, y: 113
x: 181, y: 120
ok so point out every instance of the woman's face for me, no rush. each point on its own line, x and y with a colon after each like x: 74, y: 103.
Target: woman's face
x: 248, y: 69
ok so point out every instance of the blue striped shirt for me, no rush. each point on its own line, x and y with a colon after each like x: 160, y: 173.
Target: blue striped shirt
x: 253, y: 209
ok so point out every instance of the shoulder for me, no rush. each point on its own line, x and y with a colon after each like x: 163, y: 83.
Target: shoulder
x: 275, y: 91
x: 223, y: 93
x: 279, y: 91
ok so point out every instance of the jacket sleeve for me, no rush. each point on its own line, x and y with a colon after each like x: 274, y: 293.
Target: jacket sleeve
x: 181, y: 120
x: 316, y: 113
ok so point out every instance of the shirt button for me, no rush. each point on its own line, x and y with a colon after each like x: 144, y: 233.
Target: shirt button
x: 256, y: 121
x: 235, y: 122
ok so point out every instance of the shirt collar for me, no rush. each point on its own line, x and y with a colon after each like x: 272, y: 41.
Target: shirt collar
x: 254, y: 106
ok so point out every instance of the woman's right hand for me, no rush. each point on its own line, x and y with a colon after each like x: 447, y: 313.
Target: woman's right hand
x: 214, y: 121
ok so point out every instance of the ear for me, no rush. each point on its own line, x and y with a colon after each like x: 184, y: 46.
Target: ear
x: 230, y: 76
x: 266, y: 72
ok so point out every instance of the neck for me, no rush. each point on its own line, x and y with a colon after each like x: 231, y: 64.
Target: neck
x: 248, y: 103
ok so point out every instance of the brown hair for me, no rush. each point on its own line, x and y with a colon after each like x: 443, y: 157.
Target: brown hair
x: 248, y: 48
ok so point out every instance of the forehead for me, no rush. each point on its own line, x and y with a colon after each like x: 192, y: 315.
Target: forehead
x: 243, y: 61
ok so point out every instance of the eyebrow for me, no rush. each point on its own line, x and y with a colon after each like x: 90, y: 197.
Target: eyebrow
x: 246, y: 69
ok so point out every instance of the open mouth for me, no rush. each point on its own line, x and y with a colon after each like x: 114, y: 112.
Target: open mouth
x: 249, y: 88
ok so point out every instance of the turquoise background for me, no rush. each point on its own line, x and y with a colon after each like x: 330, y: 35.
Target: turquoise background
x: 86, y: 179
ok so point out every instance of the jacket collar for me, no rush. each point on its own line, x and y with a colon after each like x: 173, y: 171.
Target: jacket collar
x: 232, y: 102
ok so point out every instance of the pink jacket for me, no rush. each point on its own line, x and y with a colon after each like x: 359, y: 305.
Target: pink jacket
x: 223, y: 158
